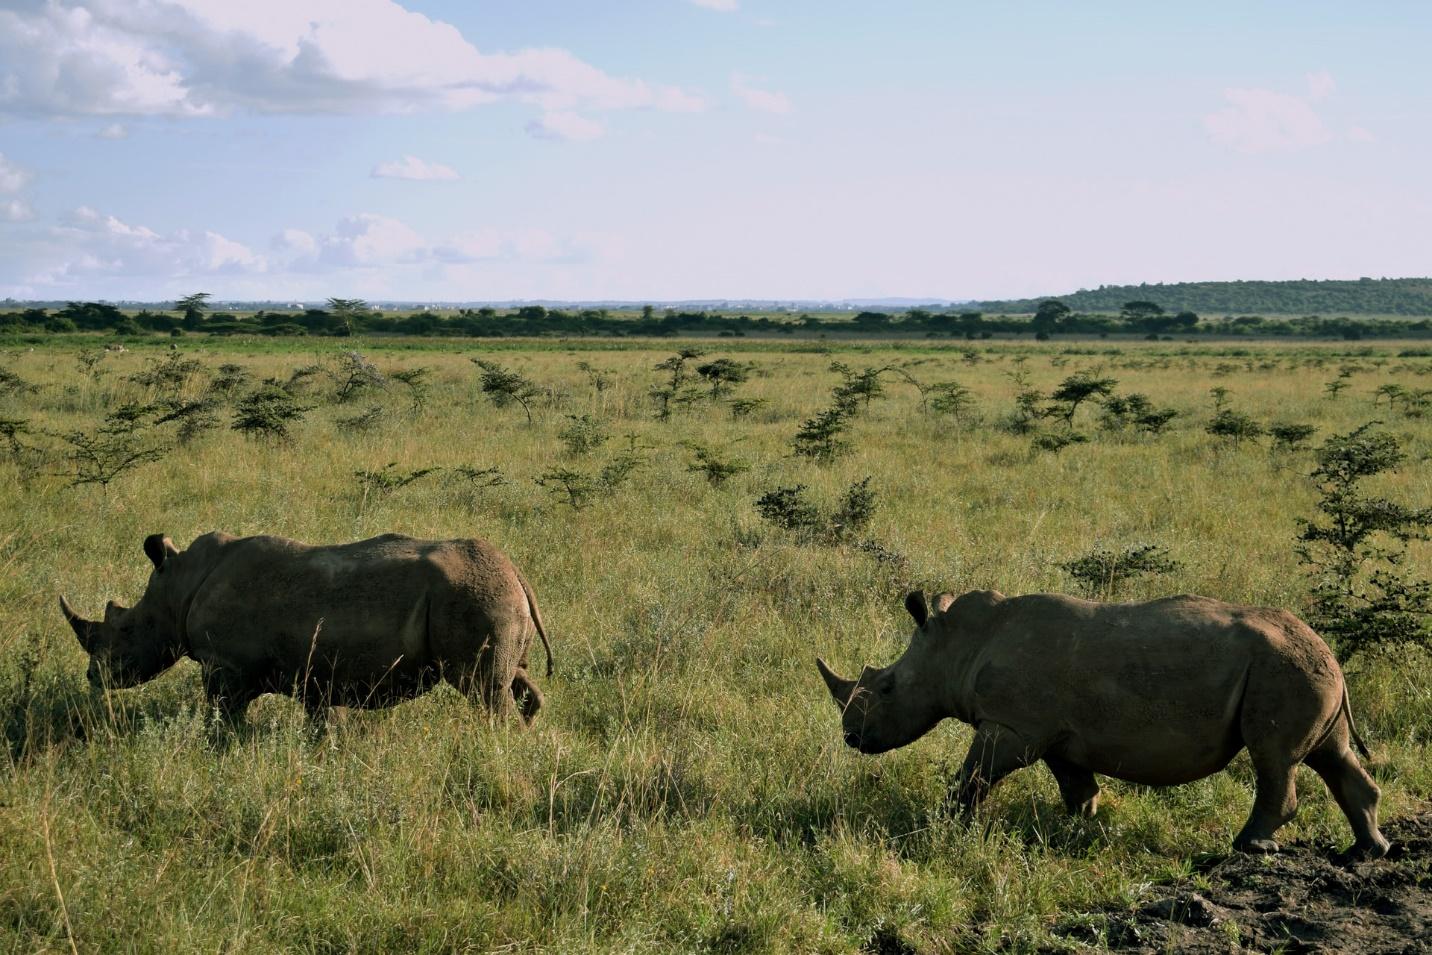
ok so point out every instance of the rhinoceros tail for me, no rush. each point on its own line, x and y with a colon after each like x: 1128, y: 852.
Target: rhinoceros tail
x: 536, y: 618
x: 1352, y: 727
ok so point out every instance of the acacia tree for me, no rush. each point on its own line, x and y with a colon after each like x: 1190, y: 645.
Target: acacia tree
x: 1355, y: 547
x: 193, y: 308
x: 505, y: 387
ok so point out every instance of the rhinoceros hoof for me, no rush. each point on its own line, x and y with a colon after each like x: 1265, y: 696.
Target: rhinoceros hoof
x: 1260, y: 847
x: 1368, y: 851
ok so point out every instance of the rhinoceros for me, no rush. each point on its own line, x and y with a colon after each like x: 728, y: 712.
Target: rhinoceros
x: 365, y: 624
x: 1159, y: 693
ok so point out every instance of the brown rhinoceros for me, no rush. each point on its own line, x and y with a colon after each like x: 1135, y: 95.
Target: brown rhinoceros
x: 365, y: 624
x: 1158, y: 693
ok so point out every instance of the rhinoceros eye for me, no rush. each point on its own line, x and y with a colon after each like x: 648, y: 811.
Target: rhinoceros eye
x: 887, y: 689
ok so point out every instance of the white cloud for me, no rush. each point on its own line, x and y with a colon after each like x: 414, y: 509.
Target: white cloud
x: 1320, y: 85
x: 16, y: 210
x: 565, y: 125
x: 296, y: 241
x: 766, y: 101
x: 205, y: 57
x: 419, y: 170
x: 88, y: 243
x: 366, y: 240
x: 1259, y: 120
x: 1361, y: 134
x: 12, y: 177
x: 722, y: 6
x: 114, y: 131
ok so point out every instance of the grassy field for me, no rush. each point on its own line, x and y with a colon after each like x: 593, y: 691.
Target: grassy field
x: 686, y: 787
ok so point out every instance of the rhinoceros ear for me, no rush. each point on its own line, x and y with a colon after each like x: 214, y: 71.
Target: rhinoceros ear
x: 158, y: 549
x: 915, y: 603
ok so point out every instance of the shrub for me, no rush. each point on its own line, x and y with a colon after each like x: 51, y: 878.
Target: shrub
x: 821, y: 437
x: 717, y: 470
x: 745, y: 407
x: 504, y: 387
x: 1075, y: 390
x: 267, y: 413
x: 194, y: 417
x: 788, y: 509
x: 583, y: 435
x: 168, y: 376
x: 1234, y: 426
x: 114, y: 448
x: 1355, y: 547
x: 355, y: 376
x: 1290, y: 437
x: 387, y: 479
x: 416, y: 381
x: 950, y: 399
x: 1102, y: 572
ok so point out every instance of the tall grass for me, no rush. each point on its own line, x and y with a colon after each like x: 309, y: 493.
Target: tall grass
x: 685, y: 788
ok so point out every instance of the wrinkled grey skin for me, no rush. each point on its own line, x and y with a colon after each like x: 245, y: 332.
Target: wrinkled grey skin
x: 1158, y: 693
x: 366, y: 624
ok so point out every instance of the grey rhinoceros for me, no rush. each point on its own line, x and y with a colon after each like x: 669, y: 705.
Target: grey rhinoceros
x: 365, y: 624
x: 1158, y: 693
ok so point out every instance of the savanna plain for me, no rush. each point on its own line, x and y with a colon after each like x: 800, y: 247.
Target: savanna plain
x: 685, y: 787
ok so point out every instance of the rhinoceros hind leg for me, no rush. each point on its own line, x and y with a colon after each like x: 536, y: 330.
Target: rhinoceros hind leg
x: 1274, y: 803
x: 482, y: 684
x: 995, y: 752
x: 1076, y: 784
x: 526, y: 695
x: 1356, y: 794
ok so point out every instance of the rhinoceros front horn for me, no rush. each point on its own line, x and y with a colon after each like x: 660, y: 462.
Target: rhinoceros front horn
x: 84, y: 629
x: 840, y: 689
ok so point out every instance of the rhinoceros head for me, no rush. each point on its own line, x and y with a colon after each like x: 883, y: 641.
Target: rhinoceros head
x: 890, y: 707
x: 133, y: 644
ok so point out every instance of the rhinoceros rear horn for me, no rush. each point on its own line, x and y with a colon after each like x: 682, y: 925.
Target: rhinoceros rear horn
x: 839, y: 689
x: 915, y: 603
x: 84, y: 629
x: 158, y: 549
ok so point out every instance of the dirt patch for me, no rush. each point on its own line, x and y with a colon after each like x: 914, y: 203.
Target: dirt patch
x: 1304, y: 899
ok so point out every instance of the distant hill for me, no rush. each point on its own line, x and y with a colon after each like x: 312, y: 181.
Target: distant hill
x: 1211, y: 299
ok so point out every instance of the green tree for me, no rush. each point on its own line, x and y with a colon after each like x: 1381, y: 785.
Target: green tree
x: 1049, y: 316
x: 193, y: 307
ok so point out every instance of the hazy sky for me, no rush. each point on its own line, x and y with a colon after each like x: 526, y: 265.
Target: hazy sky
x: 665, y: 149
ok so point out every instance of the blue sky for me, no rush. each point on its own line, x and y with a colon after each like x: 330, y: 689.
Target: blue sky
x: 670, y: 149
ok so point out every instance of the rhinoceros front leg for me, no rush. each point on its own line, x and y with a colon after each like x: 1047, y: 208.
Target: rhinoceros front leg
x: 1076, y: 785
x: 996, y: 752
x: 228, y: 693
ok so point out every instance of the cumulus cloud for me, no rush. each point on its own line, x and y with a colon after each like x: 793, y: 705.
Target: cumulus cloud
x: 1320, y: 85
x: 418, y: 170
x: 1259, y: 121
x: 16, y: 210
x: 721, y: 6
x: 565, y: 125
x: 183, y: 58
x: 766, y: 101
x: 90, y: 243
x: 12, y: 177
x: 296, y: 241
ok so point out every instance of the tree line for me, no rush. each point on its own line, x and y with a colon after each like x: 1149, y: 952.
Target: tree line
x: 342, y: 317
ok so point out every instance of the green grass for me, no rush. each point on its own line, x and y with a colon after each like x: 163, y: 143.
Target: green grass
x: 685, y: 787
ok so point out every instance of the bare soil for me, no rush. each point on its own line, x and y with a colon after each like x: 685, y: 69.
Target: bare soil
x: 1303, y: 899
